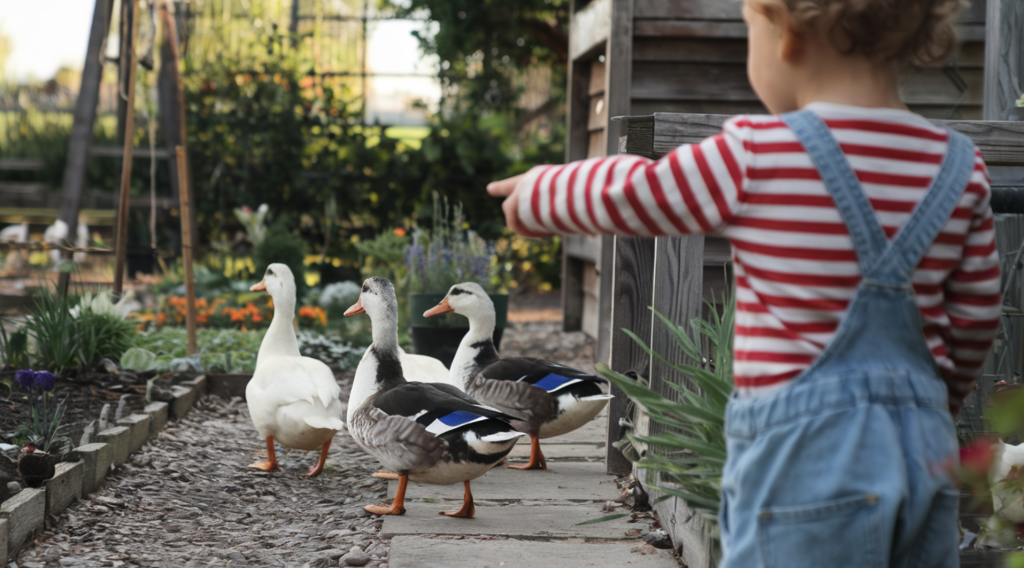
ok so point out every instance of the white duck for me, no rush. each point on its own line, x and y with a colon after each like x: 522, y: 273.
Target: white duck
x: 57, y: 234
x: 293, y: 400
x: 427, y: 432
x: 422, y: 369
x: 547, y: 399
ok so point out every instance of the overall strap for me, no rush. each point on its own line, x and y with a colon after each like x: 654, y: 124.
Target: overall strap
x: 879, y: 261
x: 930, y: 215
x: 840, y: 180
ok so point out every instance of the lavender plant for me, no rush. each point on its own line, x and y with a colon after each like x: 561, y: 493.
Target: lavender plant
x: 449, y: 254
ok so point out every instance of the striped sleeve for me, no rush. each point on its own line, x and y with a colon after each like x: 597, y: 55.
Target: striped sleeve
x: 695, y: 188
x: 973, y: 299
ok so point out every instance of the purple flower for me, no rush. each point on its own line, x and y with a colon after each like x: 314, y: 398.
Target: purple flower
x: 25, y: 378
x: 45, y: 380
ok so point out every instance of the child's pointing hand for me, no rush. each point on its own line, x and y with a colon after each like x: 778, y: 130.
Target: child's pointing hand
x: 510, y: 190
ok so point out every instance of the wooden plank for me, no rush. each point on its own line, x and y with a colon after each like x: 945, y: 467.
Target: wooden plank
x: 700, y: 50
x: 942, y: 112
x: 678, y: 295
x: 577, y: 103
x: 596, y: 145
x: 649, y: 107
x: 115, y: 152
x: 131, y: 60
x: 691, y: 81
x: 591, y: 300
x: 689, y: 10
x: 572, y: 291
x: 21, y: 164
x: 589, y: 28
x: 73, y: 183
x: 186, y: 251
x: 583, y: 247
x: 597, y: 77
x: 999, y: 141
x: 1004, y: 59
x: 632, y: 290
x: 684, y: 28
x: 598, y: 115
x: 975, y: 13
x: 934, y: 86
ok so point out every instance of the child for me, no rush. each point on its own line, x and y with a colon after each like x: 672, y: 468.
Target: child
x: 840, y: 432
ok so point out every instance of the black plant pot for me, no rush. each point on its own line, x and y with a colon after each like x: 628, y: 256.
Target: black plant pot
x: 439, y: 336
x: 140, y: 260
x: 36, y: 467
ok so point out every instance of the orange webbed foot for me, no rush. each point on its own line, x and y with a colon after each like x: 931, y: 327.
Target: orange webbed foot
x: 385, y: 509
x: 386, y: 475
x: 265, y: 465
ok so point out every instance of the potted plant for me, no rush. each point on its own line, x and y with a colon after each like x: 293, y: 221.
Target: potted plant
x: 436, y: 261
x: 41, y: 448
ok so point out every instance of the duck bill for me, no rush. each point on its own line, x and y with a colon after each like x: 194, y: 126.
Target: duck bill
x: 356, y: 309
x: 261, y: 286
x: 441, y: 308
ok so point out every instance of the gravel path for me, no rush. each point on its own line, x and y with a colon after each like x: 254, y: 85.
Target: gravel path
x: 188, y: 499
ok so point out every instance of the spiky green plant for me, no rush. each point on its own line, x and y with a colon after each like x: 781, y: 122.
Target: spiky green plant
x: 688, y: 456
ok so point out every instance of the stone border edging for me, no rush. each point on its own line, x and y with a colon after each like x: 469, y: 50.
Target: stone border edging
x: 23, y: 515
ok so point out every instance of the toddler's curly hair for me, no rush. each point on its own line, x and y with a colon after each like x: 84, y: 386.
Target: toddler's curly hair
x: 918, y: 31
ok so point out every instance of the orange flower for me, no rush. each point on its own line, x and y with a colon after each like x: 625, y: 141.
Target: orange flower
x: 399, y: 231
x: 160, y: 319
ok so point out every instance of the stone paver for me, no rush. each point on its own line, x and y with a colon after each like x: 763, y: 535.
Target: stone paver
x: 435, y: 552
x: 530, y: 519
x: 560, y: 452
x: 570, y: 481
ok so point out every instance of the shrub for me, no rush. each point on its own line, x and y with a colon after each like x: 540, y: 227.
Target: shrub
x: 285, y: 248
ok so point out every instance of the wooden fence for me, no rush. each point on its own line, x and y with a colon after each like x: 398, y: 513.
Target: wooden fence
x: 676, y: 275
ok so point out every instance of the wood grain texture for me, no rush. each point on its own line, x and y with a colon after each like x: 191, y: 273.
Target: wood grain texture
x: 685, y: 28
x: 596, y: 144
x: 649, y: 107
x: 699, y: 50
x: 1004, y: 59
x: 597, y: 116
x: 572, y: 292
x: 589, y: 28
x: 678, y: 295
x: 691, y: 81
x: 689, y: 10
x: 632, y: 295
x: 577, y: 107
x: 1000, y: 142
x: 934, y: 86
x: 597, y: 78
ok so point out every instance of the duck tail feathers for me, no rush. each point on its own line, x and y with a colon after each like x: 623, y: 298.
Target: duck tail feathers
x: 324, y: 422
x: 502, y: 436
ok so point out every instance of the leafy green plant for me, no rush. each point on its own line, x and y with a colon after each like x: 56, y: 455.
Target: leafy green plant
x: 14, y: 347
x: 688, y: 456
x: 53, y: 328
x: 103, y: 335
x: 47, y: 413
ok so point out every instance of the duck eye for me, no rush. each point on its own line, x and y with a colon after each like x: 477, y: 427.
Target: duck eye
x: 366, y: 288
x: 270, y: 272
x: 457, y: 291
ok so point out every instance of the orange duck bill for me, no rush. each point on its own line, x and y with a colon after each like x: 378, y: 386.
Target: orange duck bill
x: 260, y: 286
x: 356, y: 309
x: 441, y: 308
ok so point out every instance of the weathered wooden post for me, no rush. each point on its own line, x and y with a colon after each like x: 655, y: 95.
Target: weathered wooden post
x: 128, y: 58
x: 186, y: 250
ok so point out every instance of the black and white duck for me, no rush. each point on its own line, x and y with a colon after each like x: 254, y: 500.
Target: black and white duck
x: 546, y: 398
x: 425, y: 432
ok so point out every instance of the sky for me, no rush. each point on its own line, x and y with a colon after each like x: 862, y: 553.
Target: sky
x: 42, y: 44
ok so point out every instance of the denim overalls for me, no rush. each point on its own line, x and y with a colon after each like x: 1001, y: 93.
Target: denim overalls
x: 848, y: 464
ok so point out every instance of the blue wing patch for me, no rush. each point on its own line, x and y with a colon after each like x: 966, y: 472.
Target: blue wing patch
x: 553, y: 382
x: 456, y: 419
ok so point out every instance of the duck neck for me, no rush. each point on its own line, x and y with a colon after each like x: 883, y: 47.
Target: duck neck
x: 280, y: 340
x: 476, y: 350
x: 380, y: 369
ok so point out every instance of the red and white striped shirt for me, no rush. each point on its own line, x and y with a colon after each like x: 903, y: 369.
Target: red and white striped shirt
x: 795, y: 265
